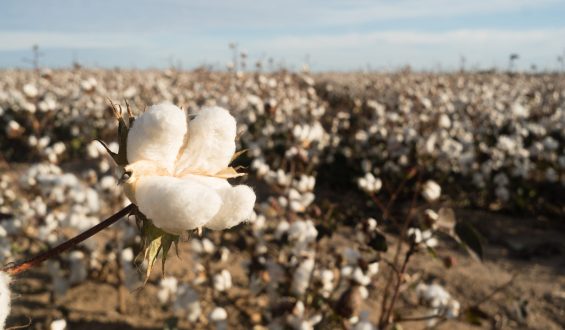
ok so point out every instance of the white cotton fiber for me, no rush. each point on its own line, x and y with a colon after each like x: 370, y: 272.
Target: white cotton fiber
x: 238, y: 202
x: 176, y: 205
x: 209, y: 181
x: 301, y: 277
x: 211, y: 141
x: 4, y: 298
x: 157, y: 135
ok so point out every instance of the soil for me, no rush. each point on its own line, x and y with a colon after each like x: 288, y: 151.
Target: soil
x: 520, y: 284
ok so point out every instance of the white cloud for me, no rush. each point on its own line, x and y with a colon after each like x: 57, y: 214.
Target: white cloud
x: 470, y: 37
x: 299, y: 14
x: 484, y: 47
x: 19, y: 40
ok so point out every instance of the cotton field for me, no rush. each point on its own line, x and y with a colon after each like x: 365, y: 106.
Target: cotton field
x: 355, y: 201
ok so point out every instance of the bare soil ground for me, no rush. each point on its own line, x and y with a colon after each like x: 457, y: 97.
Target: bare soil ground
x: 520, y: 284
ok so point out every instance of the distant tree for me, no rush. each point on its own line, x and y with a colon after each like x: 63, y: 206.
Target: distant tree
x: 511, y: 61
x: 34, y: 60
x: 462, y: 62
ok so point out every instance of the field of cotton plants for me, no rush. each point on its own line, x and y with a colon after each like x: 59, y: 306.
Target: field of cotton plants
x: 383, y: 200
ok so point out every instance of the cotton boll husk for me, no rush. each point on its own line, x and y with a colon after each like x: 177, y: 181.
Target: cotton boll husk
x: 210, y: 141
x: 176, y: 205
x: 237, y: 206
x: 4, y: 298
x: 157, y: 135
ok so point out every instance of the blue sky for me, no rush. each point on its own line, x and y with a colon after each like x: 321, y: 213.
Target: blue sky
x: 333, y: 35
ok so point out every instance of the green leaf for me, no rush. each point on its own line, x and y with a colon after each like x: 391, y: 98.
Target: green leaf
x: 378, y: 242
x: 470, y: 238
x: 432, y: 252
x: 474, y: 315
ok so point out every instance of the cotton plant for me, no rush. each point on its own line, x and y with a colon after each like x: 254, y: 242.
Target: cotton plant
x: 298, y: 319
x: 168, y: 162
x: 369, y: 183
x: 184, y: 165
x: 359, y: 271
x: 440, y: 303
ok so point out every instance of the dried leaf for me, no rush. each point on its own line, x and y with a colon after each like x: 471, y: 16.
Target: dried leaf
x: 155, y: 241
x: 167, y: 241
x: 110, y: 152
x: 151, y: 252
x: 237, y: 154
x: 378, y: 242
x: 228, y: 173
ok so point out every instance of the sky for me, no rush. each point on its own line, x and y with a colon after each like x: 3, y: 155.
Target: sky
x: 329, y: 35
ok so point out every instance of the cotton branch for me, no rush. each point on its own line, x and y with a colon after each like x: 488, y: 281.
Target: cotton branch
x: 16, y: 268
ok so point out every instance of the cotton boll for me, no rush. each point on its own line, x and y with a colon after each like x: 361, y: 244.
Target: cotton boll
x: 131, y: 274
x: 327, y: 278
x: 431, y: 191
x: 176, y: 205
x: 4, y: 298
x: 167, y: 290
x: 78, y: 267
x: 222, y: 281
x: 364, y: 323
x: 210, y: 141
x: 219, y: 316
x: 301, y: 278
x: 30, y: 90
x: 237, y: 206
x: 187, y: 300
x: 157, y: 135
x: 282, y: 228
x: 360, y: 278
x: 58, y: 325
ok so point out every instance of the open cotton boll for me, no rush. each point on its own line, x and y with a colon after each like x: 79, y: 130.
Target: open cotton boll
x: 176, y: 205
x: 60, y: 324
x: 301, y: 278
x: 237, y: 206
x: 210, y: 141
x: 4, y: 298
x: 219, y: 315
x: 431, y: 191
x: 157, y: 135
